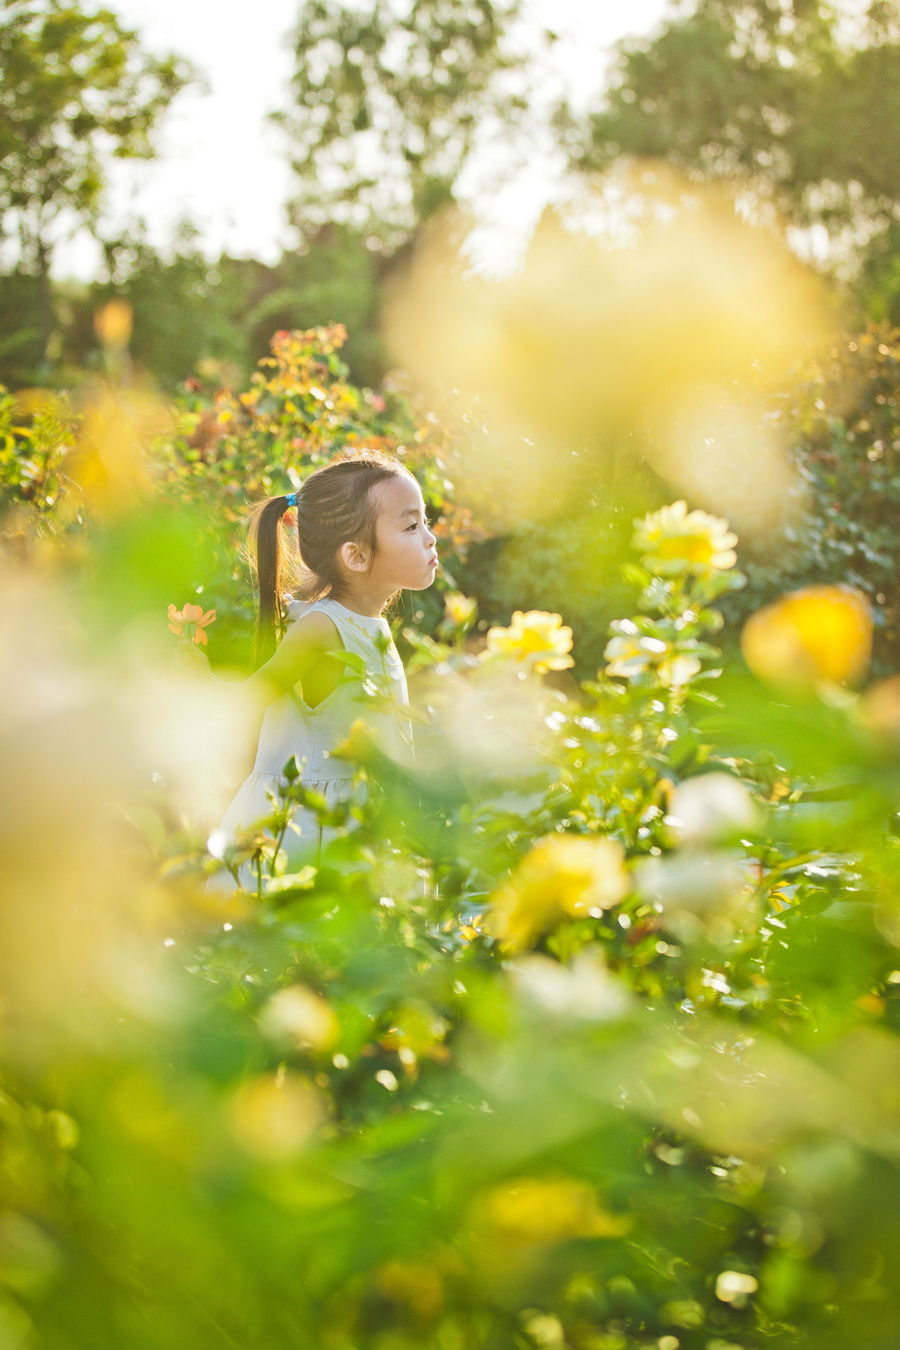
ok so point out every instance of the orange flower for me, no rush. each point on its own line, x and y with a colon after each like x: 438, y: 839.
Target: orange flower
x: 191, y: 622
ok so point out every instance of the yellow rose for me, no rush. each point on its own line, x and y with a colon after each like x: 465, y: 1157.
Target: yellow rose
x: 674, y: 540
x: 818, y: 633
x: 560, y: 876
x: 536, y: 638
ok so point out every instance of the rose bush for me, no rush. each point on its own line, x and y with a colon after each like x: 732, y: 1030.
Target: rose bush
x: 583, y: 1033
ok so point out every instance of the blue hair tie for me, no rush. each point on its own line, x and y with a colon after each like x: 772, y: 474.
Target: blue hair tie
x: 291, y: 499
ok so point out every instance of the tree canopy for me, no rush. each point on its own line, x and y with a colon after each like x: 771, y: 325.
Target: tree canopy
x: 76, y: 89
x: 388, y: 100
x: 778, y: 97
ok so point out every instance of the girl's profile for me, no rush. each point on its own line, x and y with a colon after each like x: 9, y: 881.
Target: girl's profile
x: 362, y: 534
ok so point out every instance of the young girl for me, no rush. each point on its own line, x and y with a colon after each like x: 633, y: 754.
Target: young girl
x: 362, y: 535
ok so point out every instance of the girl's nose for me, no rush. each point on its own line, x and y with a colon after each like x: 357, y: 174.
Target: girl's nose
x: 429, y: 536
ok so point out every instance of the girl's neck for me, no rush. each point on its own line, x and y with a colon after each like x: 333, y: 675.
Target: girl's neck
x: 359, y: 601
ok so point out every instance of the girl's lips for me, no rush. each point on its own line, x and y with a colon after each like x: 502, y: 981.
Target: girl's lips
x: 432, y: 561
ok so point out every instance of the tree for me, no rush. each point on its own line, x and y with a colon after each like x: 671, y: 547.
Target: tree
x: 774, y: 96
x: 388, y: 101
x: 76, y: 88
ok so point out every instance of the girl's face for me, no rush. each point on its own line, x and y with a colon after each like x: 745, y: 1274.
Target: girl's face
x: 405, y: 556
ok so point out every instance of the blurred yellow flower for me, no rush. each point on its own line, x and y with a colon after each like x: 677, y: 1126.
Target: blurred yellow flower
x: 191, y: 622
x: 274, y: 1115
x: 536, y: 638
x: 546, y: 1210
x: 460, y: 609
x: 110, y: 461
x: 674, y: 540
x: 880, y: 708
x: 561, y: 876
x: 820, y: 633
x: 113, y: 323
x: 415, y: 1284
x: 299, y: 1016
x: 608, y: 321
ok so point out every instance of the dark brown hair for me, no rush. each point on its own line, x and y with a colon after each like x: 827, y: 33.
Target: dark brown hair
x: 335, y: 505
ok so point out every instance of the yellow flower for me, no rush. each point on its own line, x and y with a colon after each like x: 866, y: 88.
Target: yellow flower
x: 818, y: 633
x: 880, y: 708
x: 191, y: 621
x: 546, y: 1210
x: 275, y: 1115
x: 460, y: 609
x: 299, y: 1016
x: 113, y: 323
x: 416, y: 1285
x: 560, y: 876
x: 674, y: 540
x: 536, y: 638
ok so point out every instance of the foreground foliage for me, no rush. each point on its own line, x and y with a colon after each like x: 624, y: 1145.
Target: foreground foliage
x: 583, y: 1033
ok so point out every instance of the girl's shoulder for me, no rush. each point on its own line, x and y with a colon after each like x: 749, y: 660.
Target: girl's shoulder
x: 310, y: 621
x: 354, y: 628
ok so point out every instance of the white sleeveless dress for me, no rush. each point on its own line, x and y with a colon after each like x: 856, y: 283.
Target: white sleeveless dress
x: 290, y: 727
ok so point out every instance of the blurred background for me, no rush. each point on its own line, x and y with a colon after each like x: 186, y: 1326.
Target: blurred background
x: 231, y: 178
x: 227, y: 179
x: 583, y: 1034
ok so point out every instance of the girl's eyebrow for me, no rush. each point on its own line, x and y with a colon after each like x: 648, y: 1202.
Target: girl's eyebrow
x: 410, y: 511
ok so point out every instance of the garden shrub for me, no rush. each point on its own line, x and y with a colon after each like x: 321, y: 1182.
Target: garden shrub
x: 583, y: 1032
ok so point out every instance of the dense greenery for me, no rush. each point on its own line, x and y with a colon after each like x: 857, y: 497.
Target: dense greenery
x: 582, y: 1033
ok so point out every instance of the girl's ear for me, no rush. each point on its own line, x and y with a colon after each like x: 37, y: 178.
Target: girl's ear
x: 354, y: 556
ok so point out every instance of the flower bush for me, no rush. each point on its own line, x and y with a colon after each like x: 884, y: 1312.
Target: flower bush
x: 582, y: 1032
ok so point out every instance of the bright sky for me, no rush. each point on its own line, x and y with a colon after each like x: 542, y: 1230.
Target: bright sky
x: 225, y: 169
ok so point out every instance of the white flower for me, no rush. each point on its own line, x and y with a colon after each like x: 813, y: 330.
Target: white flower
x: 700, y: 894
x: 630, y: 656
x: 677, y: 670
x: 584, y: 990
x: 710, y: 806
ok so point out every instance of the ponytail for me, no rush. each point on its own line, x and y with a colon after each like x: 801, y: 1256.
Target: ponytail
x: 335, y: 504
x: 268, y: 561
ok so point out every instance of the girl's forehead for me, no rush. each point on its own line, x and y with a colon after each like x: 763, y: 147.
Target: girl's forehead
x: 396, y: 496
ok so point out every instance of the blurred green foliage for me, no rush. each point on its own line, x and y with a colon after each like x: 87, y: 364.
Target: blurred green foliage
x: 582, y: 1034
x: 841, y: 419
x: 836, y: 415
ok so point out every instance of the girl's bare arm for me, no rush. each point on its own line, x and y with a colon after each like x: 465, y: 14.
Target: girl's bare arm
x: 306, y: 656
